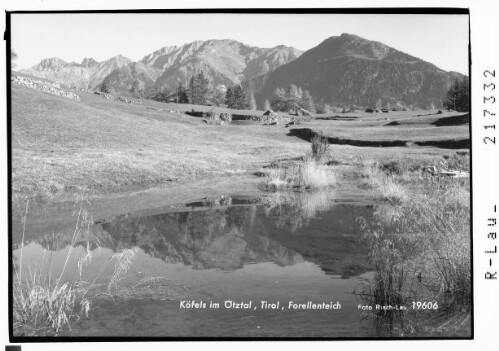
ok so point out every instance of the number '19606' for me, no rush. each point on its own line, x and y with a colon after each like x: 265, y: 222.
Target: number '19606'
x: 418, y: 305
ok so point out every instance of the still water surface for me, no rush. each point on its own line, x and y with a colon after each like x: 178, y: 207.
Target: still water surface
x: 277, y: 248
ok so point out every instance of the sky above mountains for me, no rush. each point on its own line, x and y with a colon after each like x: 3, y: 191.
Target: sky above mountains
x: 439, y: 39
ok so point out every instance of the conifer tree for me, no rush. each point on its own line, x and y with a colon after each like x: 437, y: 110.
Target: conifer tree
x: 307, y: 102
x: 235, y: 98
x: 161, y: 95
x: 229, y: 97
x: 239, y: 98
x: 203, y: 86
x: 251, y: 101
x: 104, y: 88
x: 218, y: 96
x: 192, y: 90
x: 278, y: 103
x: 199, y: 89
x: 182, y: 96
x: 266, y: 105
x: 293, y: 97
x: 458, y: 96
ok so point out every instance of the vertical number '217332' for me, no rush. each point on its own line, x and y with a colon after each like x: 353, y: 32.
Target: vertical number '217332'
x: 489, y: 99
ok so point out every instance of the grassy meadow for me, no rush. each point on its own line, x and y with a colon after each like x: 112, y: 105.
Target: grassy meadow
x: 60, y: 147
x: 419, y: 245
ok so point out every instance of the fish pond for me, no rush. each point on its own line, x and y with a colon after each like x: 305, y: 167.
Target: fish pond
x: 284, y: 264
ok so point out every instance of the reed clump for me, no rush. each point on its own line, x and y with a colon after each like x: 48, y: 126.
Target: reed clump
x: 44, y: 305
x: 320, y: 147
x: 384, y: 184
x: 420, y: 250
x: 304, y: 175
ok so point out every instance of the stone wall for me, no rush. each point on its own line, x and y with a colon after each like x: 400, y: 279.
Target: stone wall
x: 46, y: 87
x: 104, y: 95
x: 83, y: 89
x: 129, y: 101
x: 217, y: 118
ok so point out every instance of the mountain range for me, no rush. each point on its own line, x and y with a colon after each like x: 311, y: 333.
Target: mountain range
x: 87, y: 74
x: 343, y: 70
x: 226, y: 62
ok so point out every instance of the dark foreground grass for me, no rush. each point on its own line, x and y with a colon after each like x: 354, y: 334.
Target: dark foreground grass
x: 420, y: 255
x: 47, y: 305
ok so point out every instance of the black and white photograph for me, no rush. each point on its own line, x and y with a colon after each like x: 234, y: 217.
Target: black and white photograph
x: 241, y: 175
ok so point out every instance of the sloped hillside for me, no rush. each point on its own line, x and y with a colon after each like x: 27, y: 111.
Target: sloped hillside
x: 135, y: 75
x: 349, y: 70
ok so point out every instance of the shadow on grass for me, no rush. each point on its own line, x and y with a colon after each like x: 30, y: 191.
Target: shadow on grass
x: 307, y: 134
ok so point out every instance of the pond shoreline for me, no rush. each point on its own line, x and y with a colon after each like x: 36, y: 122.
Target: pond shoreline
x: 56, y: 215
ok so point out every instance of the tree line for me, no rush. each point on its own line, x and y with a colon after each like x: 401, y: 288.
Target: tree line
x: 199, y: 91
x: 458, y: 96
x: 292, y: 99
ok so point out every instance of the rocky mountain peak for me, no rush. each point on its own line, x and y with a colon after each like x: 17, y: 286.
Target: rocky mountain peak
x: 355, y: 46
x: 119, y: 59
x: 51, y: 63
x: 89, y: 62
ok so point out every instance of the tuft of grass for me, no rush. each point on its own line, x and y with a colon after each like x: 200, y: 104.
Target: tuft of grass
x: 46, y: 306
x: 393, y: 167
x: 320, y: 147
x: 314, y: 175
x: 384, y: 185
x: 123, y: 262
x: 43, y: 306
x: 303, y: 175
x: 277, y: 178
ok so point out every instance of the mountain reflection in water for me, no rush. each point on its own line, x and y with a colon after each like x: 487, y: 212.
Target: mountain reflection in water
x: 277, y: 247
x: 227, y: 233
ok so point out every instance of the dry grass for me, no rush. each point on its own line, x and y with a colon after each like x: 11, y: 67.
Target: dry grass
x: 301, y: 175
x: 315, y: 175
x: 123, y: 262
x: 60, y: 147
x: 420, y: 251
x: 46, y: 305
x: 442, y: 217
x: 383, y: 184
x: 320, y: 147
